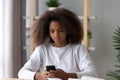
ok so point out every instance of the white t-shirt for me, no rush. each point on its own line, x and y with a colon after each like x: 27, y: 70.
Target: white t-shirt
x: 71, y: 58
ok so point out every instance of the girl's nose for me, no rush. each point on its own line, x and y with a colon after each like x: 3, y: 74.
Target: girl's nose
x: 56, y: 33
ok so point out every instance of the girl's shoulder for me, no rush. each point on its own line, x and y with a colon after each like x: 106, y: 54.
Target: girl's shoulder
x: 41, y: 48
x: 80, y: 45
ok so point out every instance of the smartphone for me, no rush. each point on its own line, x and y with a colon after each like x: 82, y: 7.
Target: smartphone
x: 50, y: 67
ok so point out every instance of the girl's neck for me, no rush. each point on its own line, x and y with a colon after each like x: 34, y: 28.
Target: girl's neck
x: 60, y: 45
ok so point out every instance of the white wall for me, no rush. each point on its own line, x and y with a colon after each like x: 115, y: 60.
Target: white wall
x: 108, y: 18
x: 108, y: 14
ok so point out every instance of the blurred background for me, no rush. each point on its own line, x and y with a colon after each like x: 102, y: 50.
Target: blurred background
x: 15, y: 32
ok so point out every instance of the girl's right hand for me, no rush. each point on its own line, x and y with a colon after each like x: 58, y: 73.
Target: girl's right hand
x: 42, y: 76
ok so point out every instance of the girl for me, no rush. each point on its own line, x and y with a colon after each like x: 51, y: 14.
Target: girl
x: 57, y: 35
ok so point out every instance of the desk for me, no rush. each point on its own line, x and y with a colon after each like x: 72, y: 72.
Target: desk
x: 9, y: 79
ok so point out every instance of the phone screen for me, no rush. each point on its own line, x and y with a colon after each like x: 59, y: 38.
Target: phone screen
x: 50, y: 67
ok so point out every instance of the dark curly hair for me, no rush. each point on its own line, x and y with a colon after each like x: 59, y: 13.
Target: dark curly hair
x: 66, y: 18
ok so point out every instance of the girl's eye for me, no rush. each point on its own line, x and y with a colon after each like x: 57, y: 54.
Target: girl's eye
x: 61, y: 30
x: 51, y: 31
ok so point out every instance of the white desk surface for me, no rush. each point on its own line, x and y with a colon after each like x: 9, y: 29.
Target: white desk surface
x: 9, y: 79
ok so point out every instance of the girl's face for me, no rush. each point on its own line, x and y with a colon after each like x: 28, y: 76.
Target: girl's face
x: 57, y: 34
